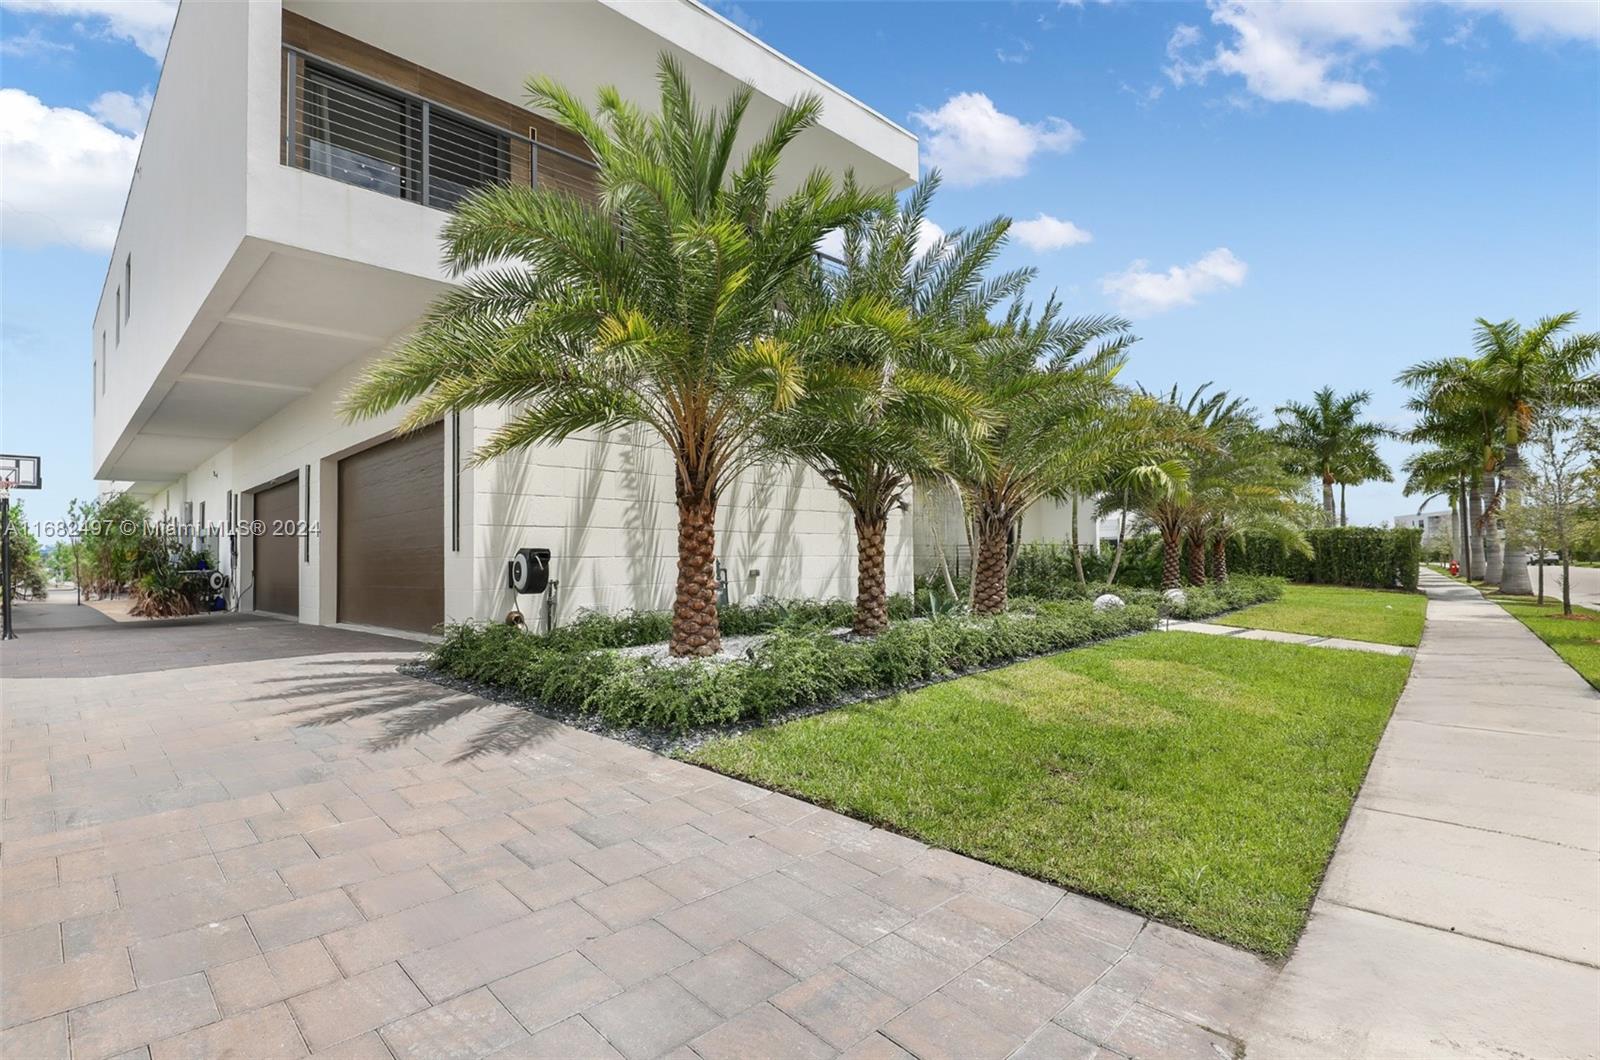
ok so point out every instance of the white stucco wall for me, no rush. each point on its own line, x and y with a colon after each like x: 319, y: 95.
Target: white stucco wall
x: 243, y: 263
x: 939, y: 524
x: 603, y: 506
x: 185, y: 213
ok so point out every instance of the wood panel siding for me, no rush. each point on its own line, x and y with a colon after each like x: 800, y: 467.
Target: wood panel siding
x: 391, y: 533
x: 338, y: 48
x: 277, y: 555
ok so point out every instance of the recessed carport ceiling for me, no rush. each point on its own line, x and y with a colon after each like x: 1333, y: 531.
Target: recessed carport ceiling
x: 300, y: 319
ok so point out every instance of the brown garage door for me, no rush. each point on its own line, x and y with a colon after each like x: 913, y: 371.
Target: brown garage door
x: 391, y: 533
x: 277, y: 573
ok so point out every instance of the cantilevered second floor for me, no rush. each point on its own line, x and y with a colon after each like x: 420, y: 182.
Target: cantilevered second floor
x: 284, y: 217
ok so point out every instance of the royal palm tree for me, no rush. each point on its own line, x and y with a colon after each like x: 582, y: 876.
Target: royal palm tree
x: 1453, y: 416
x: 1330, y: 440
x: 1523, y: 374
x: 1446, y: 472
x: 1516, y: 374
x: 1363, y: 465
x: 1047, y: 381
x: 652, y: 304
x: 885, y: 412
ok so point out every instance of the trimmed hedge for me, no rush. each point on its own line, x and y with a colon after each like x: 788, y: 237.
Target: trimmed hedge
x: 1364, y: 556
x: 790, y: 670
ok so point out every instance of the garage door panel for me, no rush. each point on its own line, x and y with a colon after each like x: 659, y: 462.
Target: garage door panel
x: 391, y: 533
x: 277, y: 556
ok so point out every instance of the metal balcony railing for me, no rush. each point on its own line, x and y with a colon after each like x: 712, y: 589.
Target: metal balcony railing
x: 342, y: 124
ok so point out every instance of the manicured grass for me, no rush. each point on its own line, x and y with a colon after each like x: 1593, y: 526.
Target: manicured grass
x: 1199, y: 779
x: 1576, y: 638
x: 1334, y: 611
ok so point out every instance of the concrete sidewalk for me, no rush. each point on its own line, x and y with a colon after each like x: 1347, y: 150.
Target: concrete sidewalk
x: 1461, y: 913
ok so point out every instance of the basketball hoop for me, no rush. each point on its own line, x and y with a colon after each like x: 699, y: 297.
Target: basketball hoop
x: 16, y: 472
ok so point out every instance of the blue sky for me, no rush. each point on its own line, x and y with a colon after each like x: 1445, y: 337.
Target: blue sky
x: 1279, y: 196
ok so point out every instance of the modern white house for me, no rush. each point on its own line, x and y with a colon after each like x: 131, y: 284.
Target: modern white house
x: 282, y: 229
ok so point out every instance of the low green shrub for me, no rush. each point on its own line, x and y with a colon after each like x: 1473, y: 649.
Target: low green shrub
x: 1214, y: 598
x: 794, y: 668
x: 1364, y: 556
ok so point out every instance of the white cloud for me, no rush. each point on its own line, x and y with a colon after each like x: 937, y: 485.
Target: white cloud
x: 146, y: 23
x: 33, y: 44
x: 1016, y: 56
x: 1288, y: 51
x: 1535, y: 20
x: 66, y: 174
x: 1293, y: 52
x: 122, y: 111
x: 973, y: 142
x: 1138, y: 290
x: 1049, y: 233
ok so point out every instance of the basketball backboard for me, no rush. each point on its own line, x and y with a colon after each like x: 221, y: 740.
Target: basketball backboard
x: 19, y: 472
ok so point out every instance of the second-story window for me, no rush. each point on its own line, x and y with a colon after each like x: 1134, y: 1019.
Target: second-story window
x: 462, y: 157
x: 127, y: 287
x: 387, y: 141
x: 102, y: 362
x: 116, y: 318
x: 358, y: 135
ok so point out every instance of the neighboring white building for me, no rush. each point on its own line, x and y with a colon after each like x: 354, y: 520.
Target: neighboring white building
x: 282, y: 230
x: 1438, y: 528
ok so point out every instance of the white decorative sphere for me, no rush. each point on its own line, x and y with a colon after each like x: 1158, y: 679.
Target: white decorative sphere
x: 1108, y: 602
x: 1175, y: 597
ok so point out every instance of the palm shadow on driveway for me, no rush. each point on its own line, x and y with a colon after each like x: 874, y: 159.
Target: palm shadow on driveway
x: 372, y: 692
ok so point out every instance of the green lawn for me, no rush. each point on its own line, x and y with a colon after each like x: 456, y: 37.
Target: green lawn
x: 1575, y: 639
x: 1334, y: 611
x: 1199, y: 779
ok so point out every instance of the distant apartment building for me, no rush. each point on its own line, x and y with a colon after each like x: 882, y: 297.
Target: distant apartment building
x: 282, y: 230
x: 1437, y: 527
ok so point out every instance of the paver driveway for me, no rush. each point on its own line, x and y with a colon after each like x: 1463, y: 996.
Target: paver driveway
x: 314, y: 853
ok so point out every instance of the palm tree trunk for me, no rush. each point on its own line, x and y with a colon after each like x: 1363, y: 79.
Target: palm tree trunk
x: 1219, y: 560
x: 1344, y: 518
x: 1464, y: 519
x: 1328, y: 514
x: 1494, y: 552
x: 1197, y: 558
x: 1122, y: 527
x: 1171, y: 543
x: 1477, y: 560
x: 1514, y: 568
x: 990, y: 566
x: 872, y: 595
x: 1077, y: 555
x: 695, y: 629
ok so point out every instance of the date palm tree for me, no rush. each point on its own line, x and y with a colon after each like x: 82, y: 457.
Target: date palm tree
x: 1245, y: 491
x: 885, y: 411
x: 1517, y: 374
x: 653, y: 304
x: 1191, y: 434
x: 1047, y: 382
x: 1330, y: 440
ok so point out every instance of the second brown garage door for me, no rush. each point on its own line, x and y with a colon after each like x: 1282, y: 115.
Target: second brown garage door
x: 277, y: 549
x: 391, y: 533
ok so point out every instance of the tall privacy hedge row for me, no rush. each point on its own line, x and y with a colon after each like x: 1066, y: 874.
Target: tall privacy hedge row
x: 1363, y: 556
